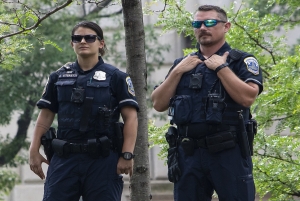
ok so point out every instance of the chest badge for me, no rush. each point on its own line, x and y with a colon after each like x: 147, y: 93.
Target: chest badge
x: 99, y: 75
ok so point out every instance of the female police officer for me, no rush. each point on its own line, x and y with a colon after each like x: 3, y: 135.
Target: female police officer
x: 88, y: 96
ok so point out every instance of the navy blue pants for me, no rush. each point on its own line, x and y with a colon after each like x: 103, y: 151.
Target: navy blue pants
x: 80, y: 175
x: 226, y: 172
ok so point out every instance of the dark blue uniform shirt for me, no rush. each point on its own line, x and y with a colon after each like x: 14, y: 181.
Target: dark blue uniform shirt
x: 190, y: 105
x: 108, y: 86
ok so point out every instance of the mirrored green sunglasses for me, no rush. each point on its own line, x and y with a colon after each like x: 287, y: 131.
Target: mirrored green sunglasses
x: 207, y: 23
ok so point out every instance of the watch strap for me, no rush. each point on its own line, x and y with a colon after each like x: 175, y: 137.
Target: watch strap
x: 221, y: 66
x: 127, y: 153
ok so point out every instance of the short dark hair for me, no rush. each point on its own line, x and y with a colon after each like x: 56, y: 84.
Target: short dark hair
x: 95, y: 27
x: 221, y: 13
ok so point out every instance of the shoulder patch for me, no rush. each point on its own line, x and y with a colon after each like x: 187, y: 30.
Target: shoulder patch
x: 130, y: 86
x: 252, y: 65
x: 66, y: 67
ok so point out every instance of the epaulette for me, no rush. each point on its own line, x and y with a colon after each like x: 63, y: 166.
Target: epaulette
x: 235, y: 54
x: 66, y: 66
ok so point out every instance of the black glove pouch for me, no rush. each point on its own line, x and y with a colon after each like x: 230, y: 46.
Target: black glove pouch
x: 174, y: 172
x: 93, y: 148
x: 105, y: 146
x: 61, y: 147
x: 220, y: 141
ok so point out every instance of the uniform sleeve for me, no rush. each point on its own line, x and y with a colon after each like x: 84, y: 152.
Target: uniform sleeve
x: 177, y: 61
x: 49, y: 96
x: 250, y: 71
x: 123, y: 89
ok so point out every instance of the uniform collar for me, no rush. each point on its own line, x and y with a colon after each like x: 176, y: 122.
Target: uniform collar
x: 220, y: 52
x: 78, y: 69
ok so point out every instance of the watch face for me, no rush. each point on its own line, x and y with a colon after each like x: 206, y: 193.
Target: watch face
x: 127, y: 155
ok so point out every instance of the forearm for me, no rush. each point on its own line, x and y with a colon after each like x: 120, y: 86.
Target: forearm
x: 130, y: 135
x: 241, y: 92
x: 43, y: 123
x: 129, y: 116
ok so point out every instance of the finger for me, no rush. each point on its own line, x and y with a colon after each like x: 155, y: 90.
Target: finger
x: 225, y: 55
x: 119, y: 171
x: 40, y: 173
x: 46, y: 161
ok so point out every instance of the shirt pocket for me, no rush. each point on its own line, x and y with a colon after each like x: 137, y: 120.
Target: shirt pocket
x: 100, y: 91
x: 64, y: 89
x: 182, y: 109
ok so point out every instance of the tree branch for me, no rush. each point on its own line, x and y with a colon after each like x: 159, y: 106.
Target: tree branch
x: 278, y: 158
x: 40, y: 19
x: 292, y: 190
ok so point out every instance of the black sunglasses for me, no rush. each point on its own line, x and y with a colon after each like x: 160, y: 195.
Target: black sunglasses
x: 87, y: 38
x: 207, y: 23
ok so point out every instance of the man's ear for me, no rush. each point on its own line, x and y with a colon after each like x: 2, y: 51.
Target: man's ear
x: 227, y: 26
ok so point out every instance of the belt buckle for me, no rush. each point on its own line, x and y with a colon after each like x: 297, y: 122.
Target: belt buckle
x: 76, y: 148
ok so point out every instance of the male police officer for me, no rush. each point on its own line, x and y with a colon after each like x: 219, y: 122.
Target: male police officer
x: 88, y: 97
x: 209, y: 94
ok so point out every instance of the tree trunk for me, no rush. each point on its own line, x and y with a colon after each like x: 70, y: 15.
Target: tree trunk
x: 9, y: 151
x: 136, y: 68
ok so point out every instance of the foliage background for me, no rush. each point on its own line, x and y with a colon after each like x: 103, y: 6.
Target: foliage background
x: 255, y: 28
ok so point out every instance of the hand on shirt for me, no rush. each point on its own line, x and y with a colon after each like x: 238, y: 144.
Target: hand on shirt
x: 188, y: 63
x: 215, y: 61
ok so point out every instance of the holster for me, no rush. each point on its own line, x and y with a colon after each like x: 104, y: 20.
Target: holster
x: 188, y: 146
x: 46, y: 141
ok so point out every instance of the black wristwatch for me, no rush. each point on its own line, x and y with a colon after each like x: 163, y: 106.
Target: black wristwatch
x: 221, y: 66
x: 127, y: 155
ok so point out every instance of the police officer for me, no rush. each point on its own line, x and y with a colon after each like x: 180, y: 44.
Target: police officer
x: 88, y: 97
x: 208, y: 94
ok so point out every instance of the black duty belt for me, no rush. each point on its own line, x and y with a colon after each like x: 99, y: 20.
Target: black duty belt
x: 207, y: 141
x: 94, y: 147
x: 198, y: 131
x: 78, y: 148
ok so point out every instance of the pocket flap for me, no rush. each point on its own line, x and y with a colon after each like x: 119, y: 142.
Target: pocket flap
x: 97, y: 84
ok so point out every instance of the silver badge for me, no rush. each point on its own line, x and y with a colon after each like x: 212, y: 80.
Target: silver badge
x: 99, y: 75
